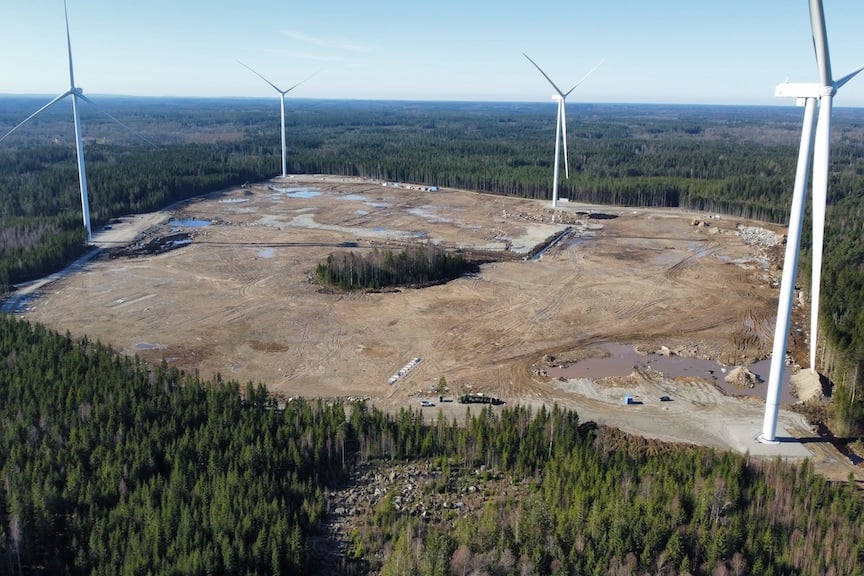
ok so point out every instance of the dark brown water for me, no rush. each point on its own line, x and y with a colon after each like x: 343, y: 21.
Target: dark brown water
x: 623, y: 360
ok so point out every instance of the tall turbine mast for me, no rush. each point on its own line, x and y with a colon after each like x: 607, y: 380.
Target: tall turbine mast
x: 808, y: 94
x: 282, y: 94
x: 560, y: 125
x: 79, y: 145
x: 75, y: 92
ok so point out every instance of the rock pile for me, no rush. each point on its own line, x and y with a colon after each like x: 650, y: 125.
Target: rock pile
x: 742, y: 377
x: 756, y: 236
x: 426, y: 492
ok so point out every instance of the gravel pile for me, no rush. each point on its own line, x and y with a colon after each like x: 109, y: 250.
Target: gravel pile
x: 755, y: 236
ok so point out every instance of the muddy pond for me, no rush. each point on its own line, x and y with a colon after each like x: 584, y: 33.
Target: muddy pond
x: 622, y: 360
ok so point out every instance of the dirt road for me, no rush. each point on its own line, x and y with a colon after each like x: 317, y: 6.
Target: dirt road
x: 238, y: 300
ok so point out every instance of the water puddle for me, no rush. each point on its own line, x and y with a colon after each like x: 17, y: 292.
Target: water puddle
x: 553, y: 242
x: 266, y: 253
x: 297, y: 192
x: 16, y: 304
x: 352, y: 197
x: 189, y: 222
x: 148, y: 346
x: 427, y: 212
x: 623, y: 360
x: 233, y: 200
x: 308, y: 221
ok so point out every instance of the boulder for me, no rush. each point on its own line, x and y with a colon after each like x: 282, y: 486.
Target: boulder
x: 742, y: 377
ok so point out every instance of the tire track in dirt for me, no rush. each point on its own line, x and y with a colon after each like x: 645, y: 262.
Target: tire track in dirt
x: 637, y: 311
x: 316, y: 355
x: 674, y: 272
x: 507, y: 309
x: 523, y: 324
x: 753, y: 333
x: 554, y: 305
x: 256, y: 287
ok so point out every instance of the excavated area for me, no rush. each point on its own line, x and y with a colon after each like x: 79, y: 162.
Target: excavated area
x: 224, y: 284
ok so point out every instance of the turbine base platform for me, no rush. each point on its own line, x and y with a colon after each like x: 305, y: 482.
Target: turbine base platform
x: 762, y: 439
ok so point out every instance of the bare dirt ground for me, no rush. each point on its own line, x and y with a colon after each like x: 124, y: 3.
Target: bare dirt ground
x: 238, y: 300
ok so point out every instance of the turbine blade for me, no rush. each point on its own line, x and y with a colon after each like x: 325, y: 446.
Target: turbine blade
x: 820, y: 42
x: 69, y: 48
x: 262, y: 77
x: 99, y: 108
x: 558, y: 90
x: 299, y: 83
x: 34, y: 114
x: 821, y: 155
x: 82, y: 170
x: 839, y: 83
x: 584, y: 77
x: 564, y: 132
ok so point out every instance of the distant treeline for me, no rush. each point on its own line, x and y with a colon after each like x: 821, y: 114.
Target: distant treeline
x: 110, y: 466
x: 40, y: 208
x: 738, y: 161
x: 419, y: 265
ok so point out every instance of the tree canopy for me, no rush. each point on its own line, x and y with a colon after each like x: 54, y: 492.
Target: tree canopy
x: 110, y: 466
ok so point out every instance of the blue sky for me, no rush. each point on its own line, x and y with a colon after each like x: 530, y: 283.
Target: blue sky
x: 671, y: 51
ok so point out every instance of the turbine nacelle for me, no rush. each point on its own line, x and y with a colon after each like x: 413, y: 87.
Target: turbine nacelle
x: 801, y: 91
x: 798, y: 90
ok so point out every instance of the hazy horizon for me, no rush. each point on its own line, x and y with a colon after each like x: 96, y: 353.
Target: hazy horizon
x: 731, y: 53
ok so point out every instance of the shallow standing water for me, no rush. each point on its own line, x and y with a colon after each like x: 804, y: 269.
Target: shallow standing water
x: 623, y: 360
x: 297, y: 192
x: 189, y: 222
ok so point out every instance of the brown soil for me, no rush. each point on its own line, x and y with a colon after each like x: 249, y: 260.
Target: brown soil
x: 240, y: 301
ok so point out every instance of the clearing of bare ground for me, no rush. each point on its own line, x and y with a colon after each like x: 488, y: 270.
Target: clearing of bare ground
x: 225, y: 284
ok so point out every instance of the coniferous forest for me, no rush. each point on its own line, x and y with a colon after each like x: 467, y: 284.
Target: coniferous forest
x: 420, y: 265
x: 113, y: 467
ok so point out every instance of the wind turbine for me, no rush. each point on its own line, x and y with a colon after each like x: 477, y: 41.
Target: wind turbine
x: 808, y: 95
x: 560, y: 125
x: 75, y: 92
x: 282, y: 94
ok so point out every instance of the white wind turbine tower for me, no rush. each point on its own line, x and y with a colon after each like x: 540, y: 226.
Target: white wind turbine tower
x: 560, y: 125
x: 75, y: 92
x: 282, y: 94
x: 806, y: 94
